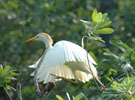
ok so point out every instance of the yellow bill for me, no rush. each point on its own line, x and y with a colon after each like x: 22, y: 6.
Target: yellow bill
x: 31, y: 39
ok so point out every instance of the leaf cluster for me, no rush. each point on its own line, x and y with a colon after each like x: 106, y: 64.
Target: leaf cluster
x: 6, y: 75
x: 125, y: 58
x: 98, y: 25
x: 77, y: 97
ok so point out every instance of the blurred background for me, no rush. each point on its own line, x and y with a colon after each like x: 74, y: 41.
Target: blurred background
x: 22, y: 19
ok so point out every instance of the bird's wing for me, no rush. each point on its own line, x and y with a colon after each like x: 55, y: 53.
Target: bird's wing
x: 63, y: 52
x: 46, y: 75
x: 34, y: 65
x: 55, y: 59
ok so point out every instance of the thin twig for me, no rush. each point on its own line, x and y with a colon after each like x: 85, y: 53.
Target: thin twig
x: 92, y: 72
x: 68, y: 96
x: 89, y: 62
x: 109, y: 85
x: 7, y: 93
x: 47, y: 90
x: 19, y: 91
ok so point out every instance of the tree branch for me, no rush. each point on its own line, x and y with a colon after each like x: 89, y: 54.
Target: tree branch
x: 19, y: 91
x: 89, y: 63
x: 109, y: 85
x: 7, y: 93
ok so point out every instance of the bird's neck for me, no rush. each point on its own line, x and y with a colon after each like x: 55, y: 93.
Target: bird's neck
x: 48, y: 45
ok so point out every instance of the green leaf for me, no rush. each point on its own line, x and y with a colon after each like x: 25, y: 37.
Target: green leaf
x: 105, y: 24
x: 7, y: 80
x: 8, y: 87
x: 98, y: 38
x: 59, y: 97
x: 105, y: 15
x: 132, y: 98
x: 98, y: 17
x: 1, y: 70
x: 102, y: 24
x: 132, y: 56
x: 94, y: 14
x: 105, y: 31
x: 93, y: 56
x: 119, y: 44
x: 126, y: 46
x: 13, y: 74
x: 94, y: 24
x: 10, y: 74
x: 79, y: 96
x: 111, y: 54
x: 12, y: 78
x: 123, y: 46
x: 86, y: 22
x: 1, y: 81
x: 12, y: 4
x: 6, y: 70
x: 112, y: 70
x: 108, y: 78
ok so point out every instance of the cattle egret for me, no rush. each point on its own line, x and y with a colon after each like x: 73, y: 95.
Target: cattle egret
x: 64, y: 60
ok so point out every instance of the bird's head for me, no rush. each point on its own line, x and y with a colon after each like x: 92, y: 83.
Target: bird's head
x: 44, y: 37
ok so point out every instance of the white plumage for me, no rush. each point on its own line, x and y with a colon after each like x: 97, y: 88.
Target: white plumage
x: 64, y: 59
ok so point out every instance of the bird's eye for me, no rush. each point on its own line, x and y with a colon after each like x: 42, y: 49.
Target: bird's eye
x: 37, y: 36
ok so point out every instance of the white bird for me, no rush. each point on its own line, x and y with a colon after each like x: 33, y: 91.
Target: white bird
x: 64, y: 60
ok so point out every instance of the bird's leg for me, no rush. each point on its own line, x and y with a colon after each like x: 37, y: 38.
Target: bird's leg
x: 60, y: 77
x: 46, y: 91
x: 100, y: 83
x: 72, y: 81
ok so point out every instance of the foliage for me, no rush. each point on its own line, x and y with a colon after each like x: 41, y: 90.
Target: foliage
x: 78, y: 97
x: 125, y: 89
x: 6, y: 75
x: 120, y: 65
x: 98, y: 25
x: 123, y: 60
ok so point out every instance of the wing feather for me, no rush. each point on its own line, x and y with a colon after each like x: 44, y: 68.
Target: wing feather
x: 77, y: 55
x: 35, y: 65
x: 70, y: 54
x: 55, y: 59
x: 63, y: 52
x: 63, y: 71
x: 66, y: 54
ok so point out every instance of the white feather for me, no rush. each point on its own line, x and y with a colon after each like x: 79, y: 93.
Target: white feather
x: 67, y: 60
x: 47, y: 74
x: 34, y: 65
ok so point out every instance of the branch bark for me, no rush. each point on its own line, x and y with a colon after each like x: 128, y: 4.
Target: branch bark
x: 94, y: 77
x: 19, y: 91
